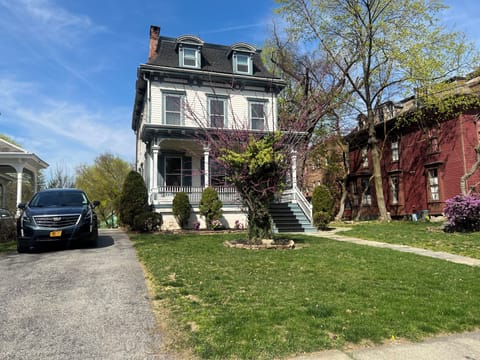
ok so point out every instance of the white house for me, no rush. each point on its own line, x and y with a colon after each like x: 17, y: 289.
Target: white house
x: 16, y: 165
x: 186, y: 87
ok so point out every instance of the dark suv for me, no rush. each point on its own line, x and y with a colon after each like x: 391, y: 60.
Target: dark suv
x: 57, y: 215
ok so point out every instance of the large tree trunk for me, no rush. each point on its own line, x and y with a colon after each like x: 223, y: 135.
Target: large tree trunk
x: 467, y: 175
x: 343, y: 198
x: 346, y: 166
x: 377, y: 181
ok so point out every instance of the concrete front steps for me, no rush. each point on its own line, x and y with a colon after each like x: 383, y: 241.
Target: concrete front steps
x: 289, y: 217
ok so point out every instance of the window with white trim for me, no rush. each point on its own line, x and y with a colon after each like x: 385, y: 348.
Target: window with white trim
x: 433, y: 184
x: 176, y: 170
x: 366, y: 196
x: 364, y: 155
x: 218, y: 174
x: 394, y: 188
x: 217, y: 112
x: 257, y: 115
x: 173, y: 171
x: 242, y: 64
x: 189, y: 57
x: 173, y: 109
x: 395, y: 150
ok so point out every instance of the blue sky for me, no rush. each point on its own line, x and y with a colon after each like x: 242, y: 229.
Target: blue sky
x: 68, y: 67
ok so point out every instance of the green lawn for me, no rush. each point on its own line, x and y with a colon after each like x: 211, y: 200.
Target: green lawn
x: 8, y: 246
x: 419, y: 234
x: 235, y: 303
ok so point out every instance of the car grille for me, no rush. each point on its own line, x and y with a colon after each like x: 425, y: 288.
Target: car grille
x: 56, y: 221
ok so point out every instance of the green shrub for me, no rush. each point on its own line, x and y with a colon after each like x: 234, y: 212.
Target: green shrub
x: 148, y: 221
x: 181, y: 209
x: 7, y: 231
x: 210, y: 206
x: 134, y: 200
x: 322, y: 203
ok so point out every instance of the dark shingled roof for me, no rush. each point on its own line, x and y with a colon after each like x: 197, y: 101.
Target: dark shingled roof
x: 215, y: 58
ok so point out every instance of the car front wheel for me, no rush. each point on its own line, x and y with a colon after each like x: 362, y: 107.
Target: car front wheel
x: 22, y: 246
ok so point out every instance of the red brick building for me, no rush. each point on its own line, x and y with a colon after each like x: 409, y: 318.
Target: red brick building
x: 422, y: 163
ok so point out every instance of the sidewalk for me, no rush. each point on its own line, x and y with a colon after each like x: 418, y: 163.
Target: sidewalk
x: 464, y: 346
x: 455, y: 347
x: 333, y: 235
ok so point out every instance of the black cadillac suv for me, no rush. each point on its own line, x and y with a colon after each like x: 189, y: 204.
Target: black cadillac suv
x: 57, y: 215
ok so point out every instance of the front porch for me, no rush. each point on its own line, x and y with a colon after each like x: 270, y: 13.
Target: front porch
x: 179, y: 162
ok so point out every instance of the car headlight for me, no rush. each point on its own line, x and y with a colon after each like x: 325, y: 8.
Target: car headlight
x: 88, y: 216
x: 27, y: 220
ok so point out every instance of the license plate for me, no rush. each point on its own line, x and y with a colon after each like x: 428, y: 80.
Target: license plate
x: 56, y: 233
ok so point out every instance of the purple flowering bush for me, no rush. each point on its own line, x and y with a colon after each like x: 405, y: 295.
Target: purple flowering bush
x: 463, y: 213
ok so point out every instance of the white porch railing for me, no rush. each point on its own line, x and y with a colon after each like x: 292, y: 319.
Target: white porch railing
x: 295, y: 195
x: 165, y: 194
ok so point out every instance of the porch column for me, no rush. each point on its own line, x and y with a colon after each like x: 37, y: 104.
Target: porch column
x: 206, y: 159
x: 19, y: 170
x: 35, y: 182
x: 294, y: 168
x: 154, y: 172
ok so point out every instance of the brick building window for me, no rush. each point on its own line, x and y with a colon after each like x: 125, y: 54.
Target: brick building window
x: 366, y: 196
x: 433, y: 144
x: 355, y: 192
x: 395, y: 150
x: 394, y: 188
x: 364, y: 155
x: 433, y: 184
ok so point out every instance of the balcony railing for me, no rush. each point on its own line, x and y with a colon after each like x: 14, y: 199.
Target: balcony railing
x: 165, y: 194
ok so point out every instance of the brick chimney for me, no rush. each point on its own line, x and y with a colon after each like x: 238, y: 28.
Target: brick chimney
x: 154, y: 35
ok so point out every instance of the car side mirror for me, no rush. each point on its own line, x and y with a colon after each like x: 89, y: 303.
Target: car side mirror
x: 95, y: 203
x: 22, y: 206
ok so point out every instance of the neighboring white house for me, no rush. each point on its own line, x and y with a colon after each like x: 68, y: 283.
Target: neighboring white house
x: 186, y: 85
x: 15, y: 163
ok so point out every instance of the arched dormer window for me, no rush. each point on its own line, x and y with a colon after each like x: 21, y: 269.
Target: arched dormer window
x: 242, y: 58
x: 189, y: 51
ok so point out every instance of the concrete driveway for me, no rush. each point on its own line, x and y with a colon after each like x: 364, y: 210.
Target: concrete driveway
x: 81, y: 303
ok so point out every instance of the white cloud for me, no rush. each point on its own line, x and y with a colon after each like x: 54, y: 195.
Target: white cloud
x: 64, y: 131
x: 48, y: 22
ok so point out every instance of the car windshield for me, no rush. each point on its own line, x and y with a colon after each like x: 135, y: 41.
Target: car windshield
x: 59, y: 198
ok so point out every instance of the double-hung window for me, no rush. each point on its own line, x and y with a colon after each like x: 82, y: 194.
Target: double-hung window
x: 173, y: 109
x: 177, y: 170
x: 257, y: 115
x: 366, y: 195
x: 242, y: 64
x: 217, y: 112
x: 395, y: 150
x: 433, y: 184
x: 394, y: 188
x: 189, y: 57
x: 364, y: 155
x: 433, y: 144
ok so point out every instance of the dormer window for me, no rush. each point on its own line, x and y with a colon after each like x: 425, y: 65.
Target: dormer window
x: 189, y: 57
x: 189, y: 51
x: 242, y: 64
x: 242, y: 58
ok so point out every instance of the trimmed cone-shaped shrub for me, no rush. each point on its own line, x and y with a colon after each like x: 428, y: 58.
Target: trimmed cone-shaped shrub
x: 322, y: 206
x: 181, y: 209
x: 134, y: 199
x: 210, y: 206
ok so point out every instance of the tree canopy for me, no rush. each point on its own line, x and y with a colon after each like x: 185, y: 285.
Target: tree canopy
x: 381, y: 48
x: 103, y: 181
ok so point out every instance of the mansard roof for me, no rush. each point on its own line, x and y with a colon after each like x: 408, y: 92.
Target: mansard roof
x: 214, y: 58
